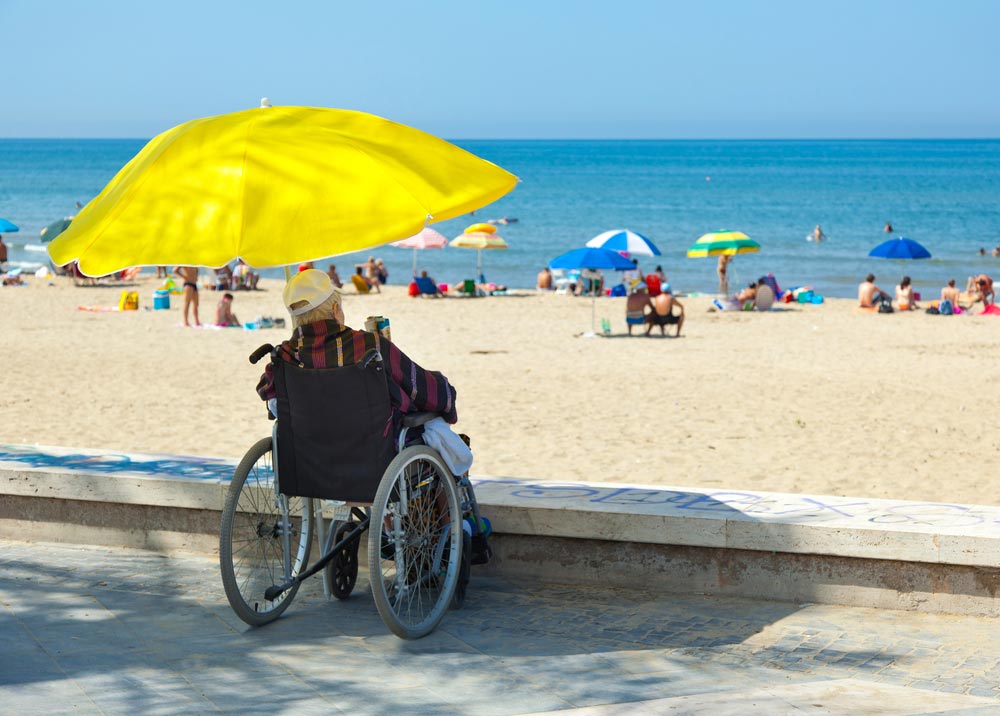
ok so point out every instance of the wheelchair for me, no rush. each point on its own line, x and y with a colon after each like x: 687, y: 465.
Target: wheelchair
x: 331, y: 472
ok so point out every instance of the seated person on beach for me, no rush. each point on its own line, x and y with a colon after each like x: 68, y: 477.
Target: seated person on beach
x: 747, y: 294
x: 591, y: 281
x: 867, y: 290
x: 370, y: 269
x: 359, y: 281
x: 636, y: 306
x: 543, y: 282
x: 224, y: 315
x: 427, y: 286
x: 981, y: 287
x: 321, y: 340
x: 334, y: 278
x: 243, y: 277
x: 950, y: 293
x: 904, y: 295
x: 663, y: 314
x: 223, y: 278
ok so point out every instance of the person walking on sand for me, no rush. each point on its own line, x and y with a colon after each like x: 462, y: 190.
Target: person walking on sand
x: 3, y: 253
x: 189, y: 275
x: 722, y: 269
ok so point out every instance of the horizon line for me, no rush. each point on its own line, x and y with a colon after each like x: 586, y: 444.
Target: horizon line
x: 611, y: 139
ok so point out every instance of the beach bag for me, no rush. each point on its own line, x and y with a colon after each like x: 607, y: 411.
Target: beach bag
x: 413, y: 290
x: 933, y: 310
x: 885, y: 306
x: 945, y: 308
x: 128, y: 301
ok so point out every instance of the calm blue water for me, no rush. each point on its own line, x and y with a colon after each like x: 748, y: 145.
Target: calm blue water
x: 945, y: 194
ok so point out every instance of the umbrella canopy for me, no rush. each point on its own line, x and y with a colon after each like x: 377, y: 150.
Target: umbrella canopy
x: 590, y: 258
x: 428, y: 238
x: 6, y: 227
x: 275, y: 186
x: 593, y: 259
x: 480, y: 240
x: 623, y: 240
x: 54, y: 229
x: 725, y: 242
x: 900, y: 248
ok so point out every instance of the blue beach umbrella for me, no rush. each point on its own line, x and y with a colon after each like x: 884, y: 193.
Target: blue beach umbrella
x: 624, y: 240
x: 593, y: 259
x: 900, y: 248
x: 7, y: 227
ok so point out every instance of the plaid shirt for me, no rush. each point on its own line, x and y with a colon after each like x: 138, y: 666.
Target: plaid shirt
x: 327, y: 344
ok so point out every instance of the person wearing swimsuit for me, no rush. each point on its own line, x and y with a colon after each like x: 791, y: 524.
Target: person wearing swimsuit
x: 189, y: 275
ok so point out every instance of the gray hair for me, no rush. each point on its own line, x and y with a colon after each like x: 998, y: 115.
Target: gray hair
x: 322, y: 312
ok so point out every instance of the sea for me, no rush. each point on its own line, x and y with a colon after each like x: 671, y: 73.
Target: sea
x: 945, y: 194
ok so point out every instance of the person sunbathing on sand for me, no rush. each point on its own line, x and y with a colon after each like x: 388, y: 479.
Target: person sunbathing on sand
x: 747, y: 294
x: 867, y: 291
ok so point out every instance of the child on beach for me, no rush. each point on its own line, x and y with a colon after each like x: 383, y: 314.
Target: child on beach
x: 224, y: 315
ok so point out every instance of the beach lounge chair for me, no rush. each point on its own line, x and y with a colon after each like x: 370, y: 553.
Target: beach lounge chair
x: 468, y: 288
x: 360, y: 284
x: 426, y: 286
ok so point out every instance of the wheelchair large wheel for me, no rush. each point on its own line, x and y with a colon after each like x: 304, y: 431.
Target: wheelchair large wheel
x: 252, y: 538
x: 414, y: 542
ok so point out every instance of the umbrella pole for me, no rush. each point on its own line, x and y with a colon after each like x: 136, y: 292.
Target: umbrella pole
x: 288, y: 274
x: 414, y: 262
x: 479, y: 264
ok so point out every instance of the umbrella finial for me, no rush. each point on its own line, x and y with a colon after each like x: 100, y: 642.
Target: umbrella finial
x: 265, y: 102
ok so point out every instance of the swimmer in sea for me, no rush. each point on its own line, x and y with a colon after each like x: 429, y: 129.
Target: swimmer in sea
x: 888, y: 228
x: 817, y: 234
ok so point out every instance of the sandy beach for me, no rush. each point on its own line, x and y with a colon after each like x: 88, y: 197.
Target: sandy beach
x: 815, y: 399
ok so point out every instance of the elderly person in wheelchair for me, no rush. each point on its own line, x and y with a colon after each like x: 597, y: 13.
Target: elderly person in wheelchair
x: 357, y: 423
x: 321, y: 340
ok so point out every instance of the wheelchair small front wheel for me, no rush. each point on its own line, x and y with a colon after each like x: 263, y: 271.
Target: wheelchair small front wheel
x: 255, y: 522
x: 415, y: 542
x: 342, y: 571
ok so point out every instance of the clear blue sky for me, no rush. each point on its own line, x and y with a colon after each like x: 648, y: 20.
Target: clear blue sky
x: 510, y: 69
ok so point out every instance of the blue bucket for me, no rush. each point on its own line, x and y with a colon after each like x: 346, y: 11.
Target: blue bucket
x: 161, y: 300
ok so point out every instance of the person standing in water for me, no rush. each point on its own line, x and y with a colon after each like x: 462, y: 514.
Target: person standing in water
x: 817, y: 234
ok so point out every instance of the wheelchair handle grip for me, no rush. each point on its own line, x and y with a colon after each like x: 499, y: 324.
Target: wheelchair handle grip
x: 371, y: 355
x: 261, y: 352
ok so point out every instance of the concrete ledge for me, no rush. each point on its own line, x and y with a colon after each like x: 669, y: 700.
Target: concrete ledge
x: 867, y: 552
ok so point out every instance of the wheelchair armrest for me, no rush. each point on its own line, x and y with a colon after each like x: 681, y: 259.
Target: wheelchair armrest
x: 412, y: 420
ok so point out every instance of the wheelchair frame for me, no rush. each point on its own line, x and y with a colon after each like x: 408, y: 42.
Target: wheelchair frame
x: 419, y: 559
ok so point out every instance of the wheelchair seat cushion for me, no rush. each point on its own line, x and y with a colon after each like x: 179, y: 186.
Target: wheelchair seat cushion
x: 335, y: 436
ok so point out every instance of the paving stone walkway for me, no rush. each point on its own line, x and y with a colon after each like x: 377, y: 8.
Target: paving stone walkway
x: 91, y: 630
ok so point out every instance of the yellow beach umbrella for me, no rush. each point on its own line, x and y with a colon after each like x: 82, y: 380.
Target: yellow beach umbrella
x: 275, y: 186
x: 725, y: 242
x: 479, y: 240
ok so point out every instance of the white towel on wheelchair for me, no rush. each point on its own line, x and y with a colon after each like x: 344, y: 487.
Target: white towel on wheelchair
x: 453, y: 450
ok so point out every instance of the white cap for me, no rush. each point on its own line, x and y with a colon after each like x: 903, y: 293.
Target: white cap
x: 265, y: 102
x: 312, y: 286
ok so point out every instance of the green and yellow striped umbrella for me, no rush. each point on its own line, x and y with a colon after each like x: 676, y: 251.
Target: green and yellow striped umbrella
x: 725, y: 242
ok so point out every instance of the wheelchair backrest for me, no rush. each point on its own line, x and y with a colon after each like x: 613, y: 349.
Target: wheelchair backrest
x: 335, y: 436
